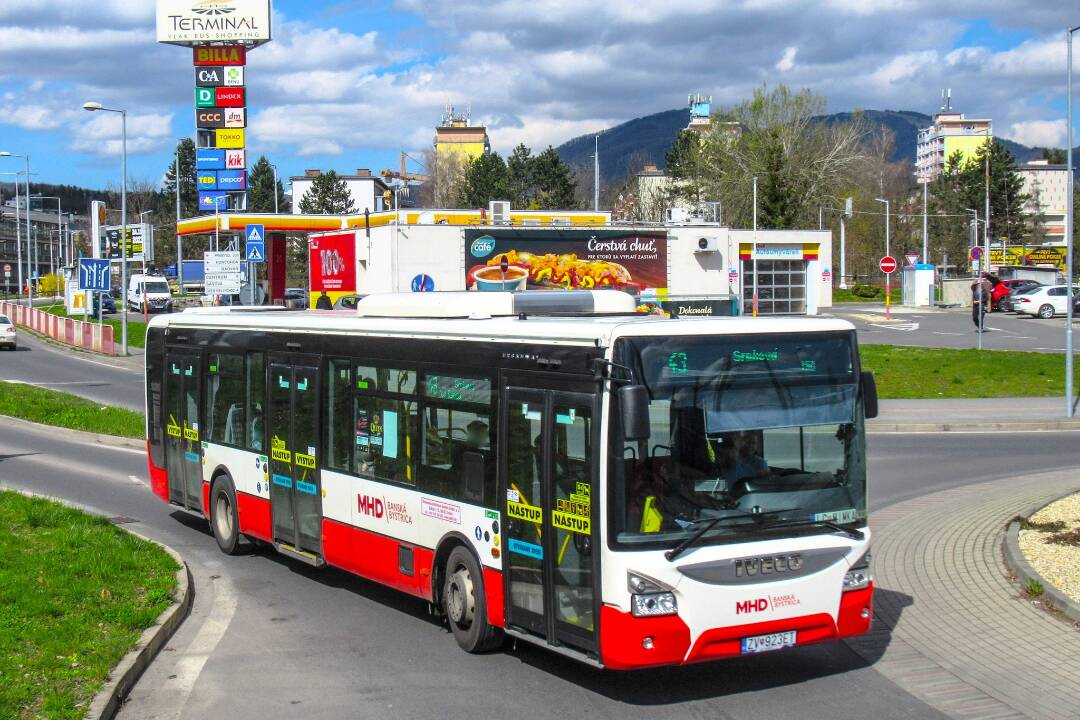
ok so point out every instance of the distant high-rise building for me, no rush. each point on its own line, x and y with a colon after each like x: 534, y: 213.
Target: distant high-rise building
x: 1048, y: 186
x: 456, y: 135
x: 950, y: 133
x: 700, y: 112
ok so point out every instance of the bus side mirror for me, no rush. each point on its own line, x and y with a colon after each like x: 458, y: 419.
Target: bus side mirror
x: 634, y: 402
x: 869, y: 393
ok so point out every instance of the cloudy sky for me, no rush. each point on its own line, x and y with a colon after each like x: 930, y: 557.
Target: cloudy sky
x: 349, y: 84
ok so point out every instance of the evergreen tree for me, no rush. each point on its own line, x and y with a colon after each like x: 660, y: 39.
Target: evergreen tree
x: 776, y: 188
x: 189, y: 194
x: 329, y: 195
x: 1054, y: 156
x: 520, y: 180
x: 1007, y: 197
x: 554, y: 181
x: 485, y: 179
x: 680, y: 160
x: 261, y: 188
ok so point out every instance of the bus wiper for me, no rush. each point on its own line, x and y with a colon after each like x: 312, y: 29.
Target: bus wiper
x: 709, y: 524
x: 835, y: 527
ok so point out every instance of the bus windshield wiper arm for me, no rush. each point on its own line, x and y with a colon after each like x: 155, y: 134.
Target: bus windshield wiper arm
x: 835, y: 527
x: 711, y: 523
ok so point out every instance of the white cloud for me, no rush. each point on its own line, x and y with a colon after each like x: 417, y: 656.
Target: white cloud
x: 788, y: 60
x: 102, y: 134
x: 1038, y: 133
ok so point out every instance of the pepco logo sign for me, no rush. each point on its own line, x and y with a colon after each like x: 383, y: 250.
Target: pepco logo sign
x: 749, y: 606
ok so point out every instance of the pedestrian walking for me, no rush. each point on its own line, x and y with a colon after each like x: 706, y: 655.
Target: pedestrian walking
x: 324, y: 302
x: 980, y: 301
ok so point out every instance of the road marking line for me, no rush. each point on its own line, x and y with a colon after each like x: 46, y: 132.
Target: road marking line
x: 45, y: 346
x: 937, y: 332
x: 135, y: 480
x: 95, y: 383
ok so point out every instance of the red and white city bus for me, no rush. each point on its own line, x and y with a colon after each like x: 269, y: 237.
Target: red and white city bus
x: 627, y: 490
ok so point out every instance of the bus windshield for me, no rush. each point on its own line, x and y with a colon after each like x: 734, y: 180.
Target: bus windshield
x: 759, y: 431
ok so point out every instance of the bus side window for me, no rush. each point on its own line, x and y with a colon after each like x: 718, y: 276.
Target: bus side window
x: 255, y: 386
x: 225, y: 399
x: 385, y: 422
x: 339, y: 421
x: 458, y: 458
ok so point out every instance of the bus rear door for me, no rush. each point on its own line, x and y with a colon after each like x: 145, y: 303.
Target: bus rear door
x: 548, y: 476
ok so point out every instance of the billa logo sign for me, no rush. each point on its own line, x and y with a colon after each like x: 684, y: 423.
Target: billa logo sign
x: 209, y: 77
x: 234, y: 76
x: 226, y: 55
x: 235, y: 160
x: 229, y: 97
x: 229, y: 138
x: 234, y: 117
x: 209, y: 118
x: 204, y: 97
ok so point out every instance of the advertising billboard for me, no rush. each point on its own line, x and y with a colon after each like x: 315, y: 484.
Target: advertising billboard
x: 204, y: 97
x: 1020, y: 255
x: 229, y: 138
x: 234, y: 117
x: 223, y: 55
x: 232, y: 180
x: 209, y: 76
x: 206, y: 180
x: 233, y: 76
x: 210, y: 159
x: 184, y: 22
x: 207, y: 200
x: 565, y: 259
x: 229, y: 97
x: 235, y: 159
x: 332, y: 263
x: 209, y: 117
x: 137, y: 245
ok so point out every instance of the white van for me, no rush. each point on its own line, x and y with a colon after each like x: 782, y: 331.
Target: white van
x: 151, y: 289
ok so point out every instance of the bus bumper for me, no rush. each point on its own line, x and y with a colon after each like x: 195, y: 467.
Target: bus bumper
x: 630, y: 643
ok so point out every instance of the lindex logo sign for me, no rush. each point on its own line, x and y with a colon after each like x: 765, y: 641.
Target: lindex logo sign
x: 229, y: 97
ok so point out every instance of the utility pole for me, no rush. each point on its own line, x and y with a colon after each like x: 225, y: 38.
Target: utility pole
x: 753, y: 252
x: 888, y: 276
x: 925, y: 256
x: 179, y: 237
x: 848, y: 202
x: 1069, y: 220
x: 596, y: 173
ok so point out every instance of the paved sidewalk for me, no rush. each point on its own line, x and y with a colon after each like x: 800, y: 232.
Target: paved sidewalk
x: 961, y: 412
x: 950, y: 625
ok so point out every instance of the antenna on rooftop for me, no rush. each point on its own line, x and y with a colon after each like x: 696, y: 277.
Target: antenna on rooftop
x: 946, y: 100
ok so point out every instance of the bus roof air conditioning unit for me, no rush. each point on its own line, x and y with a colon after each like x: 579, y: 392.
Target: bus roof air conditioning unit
x: 499, y: 212
x: 708, y: 244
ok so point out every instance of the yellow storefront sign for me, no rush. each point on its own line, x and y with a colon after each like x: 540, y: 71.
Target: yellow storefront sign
x: 229, y: 138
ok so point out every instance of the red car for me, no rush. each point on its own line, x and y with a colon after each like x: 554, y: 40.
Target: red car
x: 1002, y: 288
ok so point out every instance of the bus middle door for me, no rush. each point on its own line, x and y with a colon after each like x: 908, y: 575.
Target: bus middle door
x: 295, y: 487
x: 183, y: 450
x: 549, y: 564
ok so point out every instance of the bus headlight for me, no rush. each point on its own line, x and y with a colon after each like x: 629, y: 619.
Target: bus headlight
x: 654, y: 604
x: 858, y: 577
x: 650, y: 598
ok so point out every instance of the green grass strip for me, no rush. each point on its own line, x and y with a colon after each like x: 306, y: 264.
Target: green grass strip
x: 50, y: 407
x: 917, y: 372
x: 136, y: 328
x: 76, y: 592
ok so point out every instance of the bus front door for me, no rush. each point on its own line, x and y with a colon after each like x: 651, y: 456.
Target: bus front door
x: 549, y: 559
x: 295, y: 488
x: 183, y: 451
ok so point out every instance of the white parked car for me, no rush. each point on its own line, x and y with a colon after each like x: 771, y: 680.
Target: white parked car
x: 1045, y: 302
x: 7, y: 332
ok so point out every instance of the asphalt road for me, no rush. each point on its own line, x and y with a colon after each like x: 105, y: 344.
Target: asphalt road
x: 269, y: 637
x: 952, y: 328
x: 101, y: 379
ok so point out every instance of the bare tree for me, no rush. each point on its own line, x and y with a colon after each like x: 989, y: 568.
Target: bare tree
x: 445, y: 174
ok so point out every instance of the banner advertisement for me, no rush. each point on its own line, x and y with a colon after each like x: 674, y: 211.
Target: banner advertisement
x: 1019, y: 255
x: 210, y: 159
x: 234, y: 117
x: 229, y: 138
x: 234, y: 76
x: 565, y: 259
x: 184, y: 22
x: 137, y: 246
x: 232, y: 180
x: 209, y: 76
x: 332, y: 263
x: 209, y: 118
x: 235, y: 159
x: 209, y: 201
x: 229, y: 97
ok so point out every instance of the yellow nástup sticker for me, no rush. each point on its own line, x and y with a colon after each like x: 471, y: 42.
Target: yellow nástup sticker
x: 573, y: 523
x: 521, y: 511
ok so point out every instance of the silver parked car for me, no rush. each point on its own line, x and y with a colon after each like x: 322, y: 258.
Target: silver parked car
x: 7, y: 332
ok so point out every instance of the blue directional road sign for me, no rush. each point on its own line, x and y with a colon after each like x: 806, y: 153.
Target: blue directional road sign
x: 94, y: 274
x: 255, y: 243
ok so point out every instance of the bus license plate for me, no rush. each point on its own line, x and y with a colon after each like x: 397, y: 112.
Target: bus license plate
x: 765, y: 643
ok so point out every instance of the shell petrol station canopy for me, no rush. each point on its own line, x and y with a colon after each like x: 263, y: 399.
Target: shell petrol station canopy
x: 236, y: 221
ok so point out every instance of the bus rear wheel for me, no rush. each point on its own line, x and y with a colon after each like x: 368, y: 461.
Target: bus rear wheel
x: 464, y: 603
x: 223, y: 518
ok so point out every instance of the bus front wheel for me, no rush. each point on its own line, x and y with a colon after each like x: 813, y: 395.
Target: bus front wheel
x: 223, y: 518
x: 465, y: 605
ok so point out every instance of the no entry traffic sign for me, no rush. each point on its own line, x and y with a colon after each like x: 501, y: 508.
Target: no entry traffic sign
x: 887, y: 264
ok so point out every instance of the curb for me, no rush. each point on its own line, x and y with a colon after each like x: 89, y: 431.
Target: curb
x: 1018, y: 564
x: 873, y: 427
x: 123, y: 677
x: 83, y: 436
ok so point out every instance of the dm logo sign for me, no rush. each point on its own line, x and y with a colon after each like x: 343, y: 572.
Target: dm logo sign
x: 482, y: 246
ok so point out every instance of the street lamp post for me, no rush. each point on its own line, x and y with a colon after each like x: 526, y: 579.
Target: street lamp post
x: 888, y: 276
x: 274, y: 168
x: 179, y: 238
x: 984, y: 262
x: 753, y: 252
x: 18, y: 233
x: 1069, y: 220
x: 93, y: 107
x: 29, y: 274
